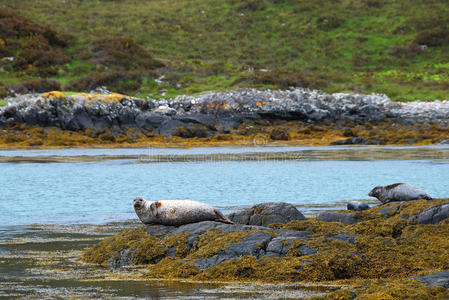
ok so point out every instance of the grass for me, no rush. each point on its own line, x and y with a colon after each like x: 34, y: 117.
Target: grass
x: 2, y: 102
x: 335, y: 45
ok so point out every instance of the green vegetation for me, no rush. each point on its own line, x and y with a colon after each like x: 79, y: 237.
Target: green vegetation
x: 362, y: 46
x: 2, y: 102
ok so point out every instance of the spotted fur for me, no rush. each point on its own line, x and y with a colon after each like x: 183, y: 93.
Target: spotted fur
x: 398, y: 192
x: 176, y: 212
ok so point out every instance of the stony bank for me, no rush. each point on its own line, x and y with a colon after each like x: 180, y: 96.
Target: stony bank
x: 244, y: 116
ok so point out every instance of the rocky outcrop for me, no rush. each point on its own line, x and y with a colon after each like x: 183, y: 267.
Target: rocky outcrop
x: 385, y: 241
x: 248, y: 240
x: 212, y: 113
x: 264, y: 214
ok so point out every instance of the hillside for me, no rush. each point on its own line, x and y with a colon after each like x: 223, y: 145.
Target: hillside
x: 397, y: 47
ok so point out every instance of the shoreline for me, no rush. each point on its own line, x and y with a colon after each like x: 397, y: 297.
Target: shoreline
x: 236, y: 117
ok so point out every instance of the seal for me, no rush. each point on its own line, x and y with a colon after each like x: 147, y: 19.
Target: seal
x: 176, y: 212
x: 398, y: 192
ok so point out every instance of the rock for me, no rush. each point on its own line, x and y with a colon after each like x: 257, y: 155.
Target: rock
x: 169, y: 127
x: 264, y: 214
x: 226, y: 124
x: 357, y: 206
x: 345, y: 218
x: 279, y: 134
x: 203, y: 119
x: 388, y: 211
x: 279, y: 245
x: 358, y: 140
x: 437, y: 279
x: 252, y: 245
x: 80, y: 121
x: 149, y: 121
x: 165, y: 110
x: 434, y: 214
x: 264, y: 242
x: 345, y: 237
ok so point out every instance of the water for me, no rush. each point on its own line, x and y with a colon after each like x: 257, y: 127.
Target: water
x: 101, y: 189
x: 55, y: 204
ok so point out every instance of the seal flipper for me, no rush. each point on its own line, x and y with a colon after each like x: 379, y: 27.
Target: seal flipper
x: 221, y: 218
x: 154, y: 206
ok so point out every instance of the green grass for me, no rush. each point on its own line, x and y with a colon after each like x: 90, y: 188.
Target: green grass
x: 336, y: 45
x: 2, y: 102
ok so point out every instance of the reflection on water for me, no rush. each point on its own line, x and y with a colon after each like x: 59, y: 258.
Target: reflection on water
x: 42, y: 262
x: 217, y: 154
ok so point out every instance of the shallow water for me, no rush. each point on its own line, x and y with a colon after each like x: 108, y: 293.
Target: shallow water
x: 80, y: 186
x: 42, y: 262
x: 47, y: 196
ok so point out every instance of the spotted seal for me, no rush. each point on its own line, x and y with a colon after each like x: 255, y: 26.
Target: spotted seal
x: 176, y: 212
x: 398, y: 192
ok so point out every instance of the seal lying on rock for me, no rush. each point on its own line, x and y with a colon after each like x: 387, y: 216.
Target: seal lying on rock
x: 398, y: 192
x: 176, y: 212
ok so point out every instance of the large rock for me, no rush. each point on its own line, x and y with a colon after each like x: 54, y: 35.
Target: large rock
x: 357, y: 205
x: 149, y: 121
x: 260, y: 241
x: 434, y: 214
x: 264, y: 214
x: 345, y: 218
x: 437, y: 279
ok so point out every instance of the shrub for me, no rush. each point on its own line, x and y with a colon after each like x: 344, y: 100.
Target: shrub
x: 329, y: 22
x: 123, y: 54
x: 438, y: 36
x: 36, y: 86
x: 43, y: 47
x: 121, y: 82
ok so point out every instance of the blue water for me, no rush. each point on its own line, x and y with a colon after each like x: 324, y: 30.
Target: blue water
x: 101, y: 192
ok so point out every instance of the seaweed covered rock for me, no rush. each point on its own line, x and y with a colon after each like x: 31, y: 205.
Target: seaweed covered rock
x: 264, y: 214
x: 206, y: 244
x: 436, y: 279
x: 434, y: 214
x: 382, y: 251
x: 329, y: 216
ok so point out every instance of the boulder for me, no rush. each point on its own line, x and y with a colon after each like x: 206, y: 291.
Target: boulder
x: 260, y: 241
x: 264, y: 214
x: 149, y: 121
x: 357, y: 205
x: 437, y: 279
x: 345, y: 218
x: 169, y: 127
x: 226, y: 124
x: 434, y: 214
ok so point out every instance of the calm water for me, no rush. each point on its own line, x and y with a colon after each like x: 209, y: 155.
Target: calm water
x: 47, y: 195
x: 97, y: 192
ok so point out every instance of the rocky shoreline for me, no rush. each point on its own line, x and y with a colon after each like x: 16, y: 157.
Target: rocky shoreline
x: 399, y: 249
x: 295, y: 114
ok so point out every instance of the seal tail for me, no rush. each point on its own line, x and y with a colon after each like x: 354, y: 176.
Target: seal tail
x: 221, y: 217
